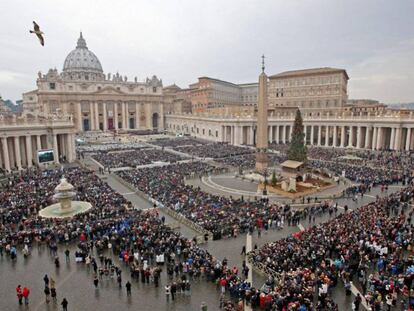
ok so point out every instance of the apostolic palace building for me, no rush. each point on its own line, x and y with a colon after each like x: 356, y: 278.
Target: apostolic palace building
x: 83, y: 98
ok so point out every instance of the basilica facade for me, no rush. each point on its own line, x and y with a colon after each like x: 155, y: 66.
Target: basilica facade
x: 97, y: 101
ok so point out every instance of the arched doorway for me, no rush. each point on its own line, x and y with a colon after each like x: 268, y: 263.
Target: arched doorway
x: 155, y: 121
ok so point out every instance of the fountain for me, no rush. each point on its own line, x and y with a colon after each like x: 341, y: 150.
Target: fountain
x: 65, y: 208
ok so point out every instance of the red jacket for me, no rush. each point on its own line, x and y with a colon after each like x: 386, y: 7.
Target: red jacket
x: 26, y: 292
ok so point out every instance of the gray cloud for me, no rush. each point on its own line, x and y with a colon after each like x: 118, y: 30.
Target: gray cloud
x: 182, y: 40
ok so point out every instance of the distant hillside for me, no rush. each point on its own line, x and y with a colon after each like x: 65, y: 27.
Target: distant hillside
x: 402, y: 105
x: 14, y: 108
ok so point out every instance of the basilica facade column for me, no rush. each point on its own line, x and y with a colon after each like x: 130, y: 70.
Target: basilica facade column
x: 97, y: 126
x: 5, y: 149
x: 17, y: 155
x: 70, y: 147
x: 116, y: 122
x: 38, y: 142
x: 91, y: 118
x: 29, y: 153
x: 79, y: 116
x: 137, y: 116
x: 283, y: 134
x: 105, y: 117
x: 123, y: 115
x: 55, y: 148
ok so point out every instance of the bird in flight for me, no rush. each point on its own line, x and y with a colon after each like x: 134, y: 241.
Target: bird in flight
x: 38, y: 32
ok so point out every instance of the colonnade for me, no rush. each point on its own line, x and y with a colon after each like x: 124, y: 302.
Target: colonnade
x: 360, y: 136
x: 342, y: 136
x: 19, y: 151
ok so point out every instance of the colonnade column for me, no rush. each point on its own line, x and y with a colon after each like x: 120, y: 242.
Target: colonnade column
x: 283, y: 134
x: 312, y: 135
x: 398, y: 138
x: 305, y: 132
x: 327, y: 136
x: 408, y: 139
x: 105, y: 117
x: 29, y: 153
x: 6, y: 157
x: 379, y: 138
x: 17, y: 152
x: 392, y: 138
x: 270, y: 133
x: 359, y: 137
x: 335, y: 136
x: 374, y: 138
x: 367, y: 137
x: 320, y: 135
x: 343, y: 134
x: 277, y: 134
x: 351, y: 137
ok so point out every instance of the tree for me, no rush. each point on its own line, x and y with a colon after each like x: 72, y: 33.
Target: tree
x: 274, y: 179
x: 297, y: 149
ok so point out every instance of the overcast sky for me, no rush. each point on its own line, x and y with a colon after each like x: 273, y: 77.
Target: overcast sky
x: 185, y: 39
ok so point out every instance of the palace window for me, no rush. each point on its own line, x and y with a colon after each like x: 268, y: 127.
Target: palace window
x: 52, y: 86
x: 154, y: 89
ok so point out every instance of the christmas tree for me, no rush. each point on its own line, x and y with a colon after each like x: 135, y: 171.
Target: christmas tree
x: 297, y: 149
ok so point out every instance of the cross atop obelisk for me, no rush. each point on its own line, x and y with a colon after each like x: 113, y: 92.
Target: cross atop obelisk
x: 263, y: 63
x: 262, y: 133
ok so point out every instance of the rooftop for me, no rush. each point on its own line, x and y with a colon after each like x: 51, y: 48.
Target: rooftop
x: 310, y: 71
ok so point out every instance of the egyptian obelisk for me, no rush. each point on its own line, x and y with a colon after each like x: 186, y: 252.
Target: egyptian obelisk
x: 262, y: 139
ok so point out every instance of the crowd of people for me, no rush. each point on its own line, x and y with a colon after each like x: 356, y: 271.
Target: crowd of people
x: 371, y: 246
x: 248, y: 161
x: 224, y: 217
x: 135, y: 158
x: 178, y: 142
x: 112, y: 228
x: 214, y: 150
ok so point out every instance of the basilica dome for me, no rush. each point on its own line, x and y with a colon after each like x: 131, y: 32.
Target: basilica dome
x: 81, y: 63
